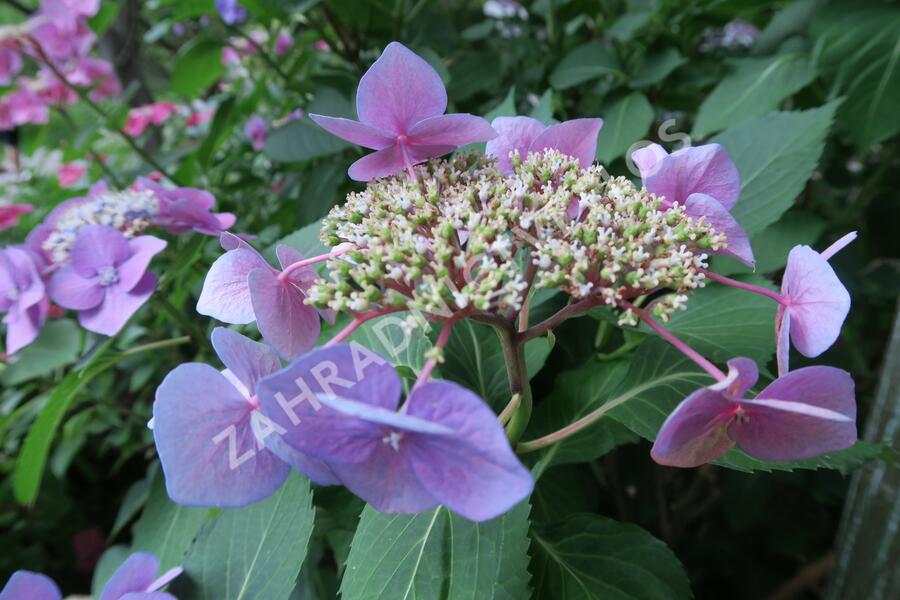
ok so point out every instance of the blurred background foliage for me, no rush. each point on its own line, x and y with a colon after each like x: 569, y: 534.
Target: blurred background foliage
x: 661, y: 71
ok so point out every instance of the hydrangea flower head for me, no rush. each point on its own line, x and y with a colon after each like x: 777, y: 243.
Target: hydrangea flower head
x: 444, y: 447
x: 204, y: 424
x: 23, y: 107
x: 802, y: 414
x: 231, y: 12
x: 703, y: 180
x: 106, y: 279
x: 10, y: 65
x: 400, y: 103
x: 22, y: 297
x: 576, y: 138
x: 815, y: 303
x: 256, y: 131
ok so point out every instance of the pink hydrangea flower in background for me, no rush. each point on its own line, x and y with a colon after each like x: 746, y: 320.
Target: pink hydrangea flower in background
x: 198, y: 117
x: 60, y: 28
x: 22, y: 297
x: 99, y: 75
x: 106, y: 280
x: 283, y: 43
x: 10, y: 65
x: 576, y: 138
x: 322, y: 46
x: 802, y: 414
x: 10, y: 214
x: 705, y: 181
x: 400, y: 102
x: 68, y: 174
x: 141, y: 117
x: 230, y: 56
x: 256, y: 131
x: 294, y: 115
x: 23, y: 107
x: 181, y: 210
x: 814, y: 303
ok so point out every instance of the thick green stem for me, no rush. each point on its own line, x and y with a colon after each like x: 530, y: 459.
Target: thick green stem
x: 517, y: 371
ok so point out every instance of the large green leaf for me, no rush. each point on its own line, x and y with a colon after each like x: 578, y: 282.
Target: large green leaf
x: 198, y: 66
x: 474, y: 358
x: 775, y: 155
x: 575, y: 394
x: 657, y: 67
x: 301, y: 140
x: 251, y: 552
x: 584, y: 63
x: 167, y: 529
x: 438, y: 554
x: 57, y: 346
x: 755, y: 88
x: 722, y: 322
x: 860, y: 50
x: 624, y: 122
x: 305, y: 240
x: 587, y: 556
x: 388, y: 337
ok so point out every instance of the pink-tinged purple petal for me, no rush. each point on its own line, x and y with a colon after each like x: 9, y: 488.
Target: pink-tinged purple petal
x: 805, y: 413
x: 782, y: 339
x: 648, y: 158
x: 738, y: 243
x: 456, y: 129
x: 148, y: 596
x: 135, y: 575
x: 291, y: 399
x: 837, y: 246
x: 25, y: 585
x: 696, y: 170
x: 70, y: 290
x: 285, y: 321
x: 19, y: 274
x: 355, y: 132
x: 817, y: 300
x: 23, y: 327
x: 209, y: 453
x: 695, y: 433
x: 117, y: 307
x: 742, y: 375
x: 143, y: 249
x: 472, y: 471
x: 229, y: 241
x: 513, y: 133
x: 576, y: 138
x: 226, y: 221
x: 315, y: 469
x: 303, y: 278
x: 247, y: 360
x: 382, y: 163
x: 226, y: 293
x: 386, y: 480
x: 98, y: 247
x: 399, y: 90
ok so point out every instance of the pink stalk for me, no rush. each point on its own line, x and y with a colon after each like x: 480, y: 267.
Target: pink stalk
x: 745, y: 286
x: 342, y: 249
x: 839, y: 245
x: 443, y: 336
x: 164, y: 579
x: 409, y: 167
x: 681, y: 346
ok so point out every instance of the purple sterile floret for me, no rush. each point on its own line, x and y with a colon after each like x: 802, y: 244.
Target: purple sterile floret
x: 576, y: 138
x: 106, y: 280
x: 805, y: 413
x: 22, y: 297
x: 25, y: 585
x: 445, y: 446
x: 231, y: 11
x: 815, y: 303
x: 705, y: 181
x: 136, y: 579
x: 182, y: 210
x: 400, y: 103
x: 241, y: 287
x: 211, y: 441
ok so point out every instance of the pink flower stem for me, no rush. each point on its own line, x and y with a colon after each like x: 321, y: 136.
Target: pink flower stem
x: 836, y: 247
x: 745, y: 286
x: 409, y: 167
x: 443, y: 336
x: 681, y: 346
x: 355, y: 324
x: 283, y: 276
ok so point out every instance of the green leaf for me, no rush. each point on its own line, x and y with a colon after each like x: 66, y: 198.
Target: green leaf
x: 657, y: 67
x: 507, y: 108
x: 474, y: 358
x: 222, y: 124
x: 111, y: 560
x: 861, y: 52
x: 589, y: 556
x: 543, y: 111
x: 167, y: 529
x: 584, y: 63
x: 844, y: 461
x: 575, y: 394
x: 305, y: 240
x: 251, y: 552
x: 438, y: 554
x: 793, y: 19
x: 387, y: 337
x: 625, y: 122
x: 775, y: 155
x: 755, y: 88
x: 57, y: 346
x: 198, y: 66
x: 722, y: 322
x: 301, y: 140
